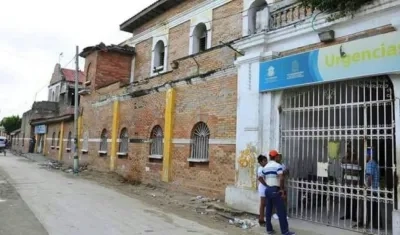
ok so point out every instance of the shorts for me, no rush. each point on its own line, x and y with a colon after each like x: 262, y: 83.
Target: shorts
x: 261, y: 190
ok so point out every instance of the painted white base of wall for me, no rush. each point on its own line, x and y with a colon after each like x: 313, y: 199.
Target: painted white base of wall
x: 242, y: 199
x: 396, y: 222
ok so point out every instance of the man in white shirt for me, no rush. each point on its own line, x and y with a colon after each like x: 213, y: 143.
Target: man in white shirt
x: 275, y: 193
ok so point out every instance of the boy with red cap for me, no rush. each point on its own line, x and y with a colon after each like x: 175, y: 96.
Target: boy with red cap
x: 275, y: 193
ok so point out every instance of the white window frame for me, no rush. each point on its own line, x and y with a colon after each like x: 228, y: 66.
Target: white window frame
x: 154, y: 136
x: 200, y: 138
x: 164, y: 39
x: 249, y: 11
x: 194, y: 40
x: 124, y: 140
x: 85, y: 142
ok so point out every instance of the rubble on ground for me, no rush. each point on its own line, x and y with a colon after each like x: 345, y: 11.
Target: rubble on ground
x: 243, y: 223
x: 52, y: 164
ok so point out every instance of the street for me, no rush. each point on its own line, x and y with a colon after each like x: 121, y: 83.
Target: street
x: 74, y: 206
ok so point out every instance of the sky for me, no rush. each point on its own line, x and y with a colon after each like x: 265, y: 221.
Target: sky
x: 34, y: 33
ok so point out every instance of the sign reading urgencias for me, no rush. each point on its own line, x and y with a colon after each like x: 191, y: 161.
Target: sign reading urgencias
x: 360, y: 58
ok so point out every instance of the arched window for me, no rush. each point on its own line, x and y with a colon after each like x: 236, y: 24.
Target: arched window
x: 85, y: 143
x: 157, y: 145
x: 103, y: 141
x: 159, y: 56
x: 69, y: 140
x: 53, y: 140
x: 59, y: 139
x: 200, y: 38
x: 200, y: 143
x: 258, y: 16
x: 123, y: 145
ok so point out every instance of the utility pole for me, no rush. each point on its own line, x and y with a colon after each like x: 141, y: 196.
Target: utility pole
x: 76, y: 112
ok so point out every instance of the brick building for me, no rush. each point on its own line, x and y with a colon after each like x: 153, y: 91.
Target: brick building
x: 325, y: 94
x: 161, y: 107
x: 50, y: 122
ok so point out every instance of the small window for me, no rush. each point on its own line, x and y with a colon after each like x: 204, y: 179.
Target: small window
x: 103, y: 142
x: 157, y: 145
x: 69, y: 140
x: 200, y: 143
x: 59, y: 140
x: 200, y: 38
x: 256, y: 20
x: 85, y: 143
x: 53, y: 139
x: 159, y: 56
x: 124, y: 142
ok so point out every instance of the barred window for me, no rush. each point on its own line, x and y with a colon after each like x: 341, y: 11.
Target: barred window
x: 69, y: 140
x: 200, y: 143
x: 103, y: 141
x: 85, y: 143
x: 53, y: 139
x: 200, y: 38
x: 157, y: 145
x: 124, y: 137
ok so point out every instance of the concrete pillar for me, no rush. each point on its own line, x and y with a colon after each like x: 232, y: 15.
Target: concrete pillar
x: 61, y: 140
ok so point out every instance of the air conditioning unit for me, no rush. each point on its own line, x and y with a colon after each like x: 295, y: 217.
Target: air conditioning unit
x: 158, y: 69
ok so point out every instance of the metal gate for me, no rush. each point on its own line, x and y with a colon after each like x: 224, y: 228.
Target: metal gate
x: 327, y: 131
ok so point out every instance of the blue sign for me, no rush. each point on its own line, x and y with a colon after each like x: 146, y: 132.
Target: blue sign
x: 365, y: 57
x: 40, y: 129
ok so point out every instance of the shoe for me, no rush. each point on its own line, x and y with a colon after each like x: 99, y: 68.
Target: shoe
x: 261, y: 223
x: 275, y: 216
x: 272, y: 232
x: 290, y: 233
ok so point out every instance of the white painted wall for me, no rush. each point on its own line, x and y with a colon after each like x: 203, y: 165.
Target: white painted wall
x: 257, y: 114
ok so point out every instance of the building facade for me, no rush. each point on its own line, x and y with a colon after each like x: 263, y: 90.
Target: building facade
x: 325, y: 94
x: 161, y: 107
x: 49, y: 124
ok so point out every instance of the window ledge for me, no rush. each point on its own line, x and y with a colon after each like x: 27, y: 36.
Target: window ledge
x: 156, y: 156
x: 122, y: 154
x: 198, y: 160
x: 84, y: 150
x: 87, y: 83
x: 52, y: 147
x: 102, y: 152
x: 57, y: 147
x: 68, y: 149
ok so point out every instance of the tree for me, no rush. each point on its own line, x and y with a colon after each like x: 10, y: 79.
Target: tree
x: 337, y: 8
x: 11, y: 123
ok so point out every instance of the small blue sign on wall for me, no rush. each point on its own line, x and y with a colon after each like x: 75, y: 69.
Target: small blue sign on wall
x: 40, y: 129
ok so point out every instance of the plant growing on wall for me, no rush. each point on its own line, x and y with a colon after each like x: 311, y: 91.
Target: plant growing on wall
x: 338, y: 8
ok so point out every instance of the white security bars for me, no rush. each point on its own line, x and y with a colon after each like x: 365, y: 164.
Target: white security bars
x: 200, y: 143
x: 327, y: 133
x: 156, y: 147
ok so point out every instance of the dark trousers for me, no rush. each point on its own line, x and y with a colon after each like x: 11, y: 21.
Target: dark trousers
x: 273, y: 199
x: 351, y: 206
x: 372, y: 213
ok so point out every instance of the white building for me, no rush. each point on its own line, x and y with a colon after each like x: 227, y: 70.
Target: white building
x: 312, y: 100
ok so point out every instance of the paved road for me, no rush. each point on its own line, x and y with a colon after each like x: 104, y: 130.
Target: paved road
x: 73, y: 206
x: 15, y: 216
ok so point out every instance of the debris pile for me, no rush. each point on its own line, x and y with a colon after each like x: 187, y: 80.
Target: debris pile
x: 52, y: 164
x: 243, y: 223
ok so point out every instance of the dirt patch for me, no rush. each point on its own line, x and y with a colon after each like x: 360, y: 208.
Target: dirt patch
x: 207, y: 211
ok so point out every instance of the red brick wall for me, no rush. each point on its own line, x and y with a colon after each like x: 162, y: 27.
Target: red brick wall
x: 227, y: 22
x: 178, y: 42
x: 186, y: 5
x: 143, y: 59
x: 112, y: 67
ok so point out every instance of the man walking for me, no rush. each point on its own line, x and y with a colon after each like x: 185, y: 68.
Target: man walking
x: 275, y: 193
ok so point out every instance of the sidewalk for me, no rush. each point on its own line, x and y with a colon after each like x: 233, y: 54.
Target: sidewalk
x: 201, y: 205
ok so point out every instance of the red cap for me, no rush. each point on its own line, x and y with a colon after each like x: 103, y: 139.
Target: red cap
x: 273, y: 153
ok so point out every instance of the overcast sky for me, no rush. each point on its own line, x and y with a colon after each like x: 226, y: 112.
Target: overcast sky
x: 34, y: 33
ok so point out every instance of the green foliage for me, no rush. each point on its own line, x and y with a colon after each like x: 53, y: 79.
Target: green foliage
x: 11, y: 123
x: 338, y: 8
